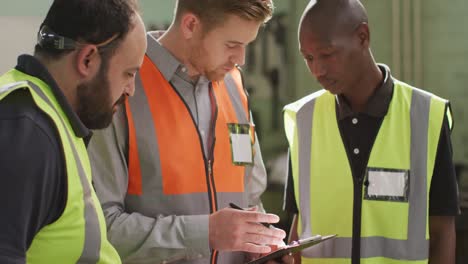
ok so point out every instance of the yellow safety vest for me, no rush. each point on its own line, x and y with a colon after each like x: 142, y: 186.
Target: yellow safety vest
x: 79, y: 234
x: 393, y: 229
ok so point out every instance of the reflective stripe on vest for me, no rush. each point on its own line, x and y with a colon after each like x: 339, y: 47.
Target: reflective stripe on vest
x: 78, y: 241
x: 168, y: 173
x: 407, y: 124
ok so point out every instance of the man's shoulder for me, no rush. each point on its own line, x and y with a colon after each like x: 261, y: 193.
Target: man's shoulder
x: 306, y: 100
x: 17, y: 103
x: 417, y: 90
x: 19, y: 110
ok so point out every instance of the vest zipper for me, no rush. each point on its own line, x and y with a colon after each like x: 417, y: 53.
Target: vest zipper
x: 209, y: 167
x: 357, y: 218
x: 211, y: 145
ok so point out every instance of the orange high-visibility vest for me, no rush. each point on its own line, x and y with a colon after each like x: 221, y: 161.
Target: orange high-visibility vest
x: 168, y: 171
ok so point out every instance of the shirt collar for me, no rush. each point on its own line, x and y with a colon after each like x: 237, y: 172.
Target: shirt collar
x: 32, y: 66
x: 378, y: 103
x: 203, y: 81
x: 168, y: 65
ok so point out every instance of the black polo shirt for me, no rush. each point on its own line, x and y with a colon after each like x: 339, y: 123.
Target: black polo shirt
x: 33, y: 178
x: 359, y: 130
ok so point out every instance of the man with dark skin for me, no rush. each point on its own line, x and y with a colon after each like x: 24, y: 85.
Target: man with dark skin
x: 334, y: 39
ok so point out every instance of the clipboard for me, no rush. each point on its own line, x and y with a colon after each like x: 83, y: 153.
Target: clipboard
x: 293, y: 247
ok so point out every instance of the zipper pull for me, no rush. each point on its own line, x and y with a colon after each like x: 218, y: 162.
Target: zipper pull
x: 209, y: 167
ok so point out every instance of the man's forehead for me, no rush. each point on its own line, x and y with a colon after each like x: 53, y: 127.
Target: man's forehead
x: 133, y: 45
x: 230, y: 30
x: 315, y: 36
x: 332, y: 35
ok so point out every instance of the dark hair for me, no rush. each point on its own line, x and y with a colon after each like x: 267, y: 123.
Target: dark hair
x: 88, y: 21
x: 212, y: 12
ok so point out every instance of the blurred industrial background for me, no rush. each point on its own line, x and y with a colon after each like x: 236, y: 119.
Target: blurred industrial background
x: 425, y: 43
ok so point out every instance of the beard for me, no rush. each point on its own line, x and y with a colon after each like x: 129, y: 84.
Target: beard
x: 211, y: 73
x: 95, y: 107
x: 216, y: 75
x: 199, y: 60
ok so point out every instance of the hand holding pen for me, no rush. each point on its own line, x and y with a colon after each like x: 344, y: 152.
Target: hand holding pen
x: 242, y: 230
x: 235, y: 206
x: 287, y: 259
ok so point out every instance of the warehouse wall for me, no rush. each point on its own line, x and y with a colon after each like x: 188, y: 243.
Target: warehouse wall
x: 424, y: 42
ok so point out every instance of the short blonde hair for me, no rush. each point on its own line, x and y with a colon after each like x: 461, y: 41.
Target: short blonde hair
x: 212, y: 13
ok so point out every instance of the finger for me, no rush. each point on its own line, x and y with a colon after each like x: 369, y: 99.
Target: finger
x: 257, y: 217
x: 252, y: 209
x: 261, y: 239
x: 255, y: 228
x: 274, y: 247
x: 253, y: 248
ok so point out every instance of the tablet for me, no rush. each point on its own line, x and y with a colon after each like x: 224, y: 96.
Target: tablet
x: 293, y: 247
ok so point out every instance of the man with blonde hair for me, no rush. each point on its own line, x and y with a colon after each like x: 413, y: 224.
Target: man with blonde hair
x: 184, y: 147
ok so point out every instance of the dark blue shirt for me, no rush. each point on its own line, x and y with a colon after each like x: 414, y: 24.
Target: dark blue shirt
x: 33, y: 177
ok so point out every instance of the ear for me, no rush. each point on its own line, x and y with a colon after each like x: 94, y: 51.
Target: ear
x: 189, y: 25
x: 363, y: 35
x: 88, y: 61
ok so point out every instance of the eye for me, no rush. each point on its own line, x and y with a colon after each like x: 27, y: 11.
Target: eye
x: 131, y: 74
x: 231, y: 46
x: 308, y: 57
x: 327, y: 54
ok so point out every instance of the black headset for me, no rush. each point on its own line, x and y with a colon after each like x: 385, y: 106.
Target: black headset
x: 46, y: 38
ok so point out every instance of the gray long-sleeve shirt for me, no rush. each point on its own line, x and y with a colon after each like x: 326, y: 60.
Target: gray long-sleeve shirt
x: 139, y: 238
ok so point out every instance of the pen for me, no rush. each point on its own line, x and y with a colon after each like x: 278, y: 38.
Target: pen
x: 235, y: 206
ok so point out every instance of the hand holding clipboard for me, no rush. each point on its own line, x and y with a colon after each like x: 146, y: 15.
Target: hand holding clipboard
x: 293, y: 247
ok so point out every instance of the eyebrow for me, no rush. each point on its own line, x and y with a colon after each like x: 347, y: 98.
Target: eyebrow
x: 327, y: 47
x: 134, y: 68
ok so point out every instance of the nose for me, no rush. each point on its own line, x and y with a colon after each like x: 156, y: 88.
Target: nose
x: 239, y: 57
x: 317, y: 68
x: 130, y: 88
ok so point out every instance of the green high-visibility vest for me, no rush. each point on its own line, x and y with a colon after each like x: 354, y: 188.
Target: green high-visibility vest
x: 79, y: 234
x: 394, y: 228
